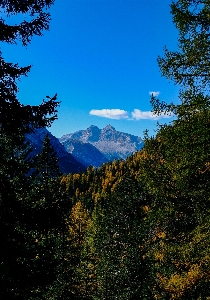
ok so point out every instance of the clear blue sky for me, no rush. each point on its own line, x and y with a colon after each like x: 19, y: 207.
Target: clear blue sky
x: 100, y: 57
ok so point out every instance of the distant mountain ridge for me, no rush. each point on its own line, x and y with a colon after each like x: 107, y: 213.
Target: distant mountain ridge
x: 93, y: 146
x: 112, y: 144
x: 67, y: 163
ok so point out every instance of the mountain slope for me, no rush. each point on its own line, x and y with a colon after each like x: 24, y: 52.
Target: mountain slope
x: 85, y: 153
x: 67, y: 163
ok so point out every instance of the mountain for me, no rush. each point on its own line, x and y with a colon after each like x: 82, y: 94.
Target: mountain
x: 85, y: 153
x: 111, y: 143
x: 67, y: 163
x: 92, y: 146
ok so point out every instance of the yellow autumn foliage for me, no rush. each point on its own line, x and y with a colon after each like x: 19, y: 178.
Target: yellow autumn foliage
x: 78, y: 222
x: 177, y: 283
x: 159, y: 256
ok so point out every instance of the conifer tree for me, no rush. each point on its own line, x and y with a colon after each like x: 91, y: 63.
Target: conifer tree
x: 186, y: 162
x: 49, y: 210
x: 13, y: 115
x: 17, y: 253
x: 121, y: 271
x: 46, y: 162
x: 175, y: 164
x: 189, y: 66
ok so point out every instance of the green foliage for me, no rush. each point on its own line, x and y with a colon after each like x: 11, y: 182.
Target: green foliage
x: 150, y: 214
x: 27, y: 258
x: 121, y: 269
x: 46, y: 163
x: 49, y: 210
x: 26, y: 29
x: 190, y: 65
x: 133, y: 229
x: 175, y: 164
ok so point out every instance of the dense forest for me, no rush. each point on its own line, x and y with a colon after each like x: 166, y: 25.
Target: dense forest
x: 131, y: 229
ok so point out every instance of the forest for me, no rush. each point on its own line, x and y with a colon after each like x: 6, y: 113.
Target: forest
x: 131, y: 229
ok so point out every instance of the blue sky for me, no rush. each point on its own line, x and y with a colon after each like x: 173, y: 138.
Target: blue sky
x: 100, y: 58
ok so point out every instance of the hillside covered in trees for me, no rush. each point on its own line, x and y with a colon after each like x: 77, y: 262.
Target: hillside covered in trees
x: 131, y: 229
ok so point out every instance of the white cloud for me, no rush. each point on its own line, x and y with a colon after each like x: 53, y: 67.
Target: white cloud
x: 155, y: 94
x: 116, y: 114
x: 137, y: 114
x: 119, y: 114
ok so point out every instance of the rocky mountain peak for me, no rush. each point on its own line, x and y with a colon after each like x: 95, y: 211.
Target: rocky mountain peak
x: 109, y: 128
x: 111, y: 143
x: 93, y: 128
x: 91, y: 134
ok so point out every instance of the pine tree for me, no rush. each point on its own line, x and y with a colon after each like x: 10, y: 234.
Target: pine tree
x: 46, y: 162
x: 26, y: 29
x: 175, y: 164
x: 18, y: 245
x: 13, y: 115
x: 49, y: 210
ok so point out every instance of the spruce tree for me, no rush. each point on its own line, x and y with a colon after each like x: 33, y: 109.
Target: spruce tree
x: 13, y: 115
x: 18, y: 250
x: 49, y: 210
x: 46, y: 162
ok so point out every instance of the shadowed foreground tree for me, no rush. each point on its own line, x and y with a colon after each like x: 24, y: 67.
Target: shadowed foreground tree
x: 17, y: 252
x: 48, y: 211
x: 13, y: 115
